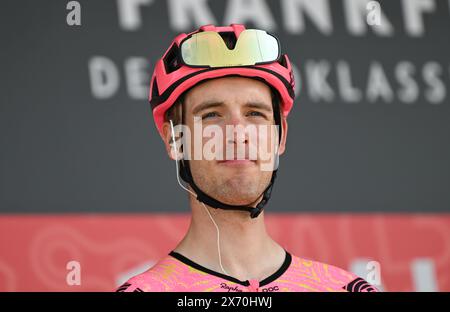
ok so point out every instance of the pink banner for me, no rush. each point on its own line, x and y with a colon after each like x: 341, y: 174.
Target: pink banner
x: 41, y: 252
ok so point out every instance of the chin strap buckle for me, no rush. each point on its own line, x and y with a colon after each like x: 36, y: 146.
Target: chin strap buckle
x: 255, y: 212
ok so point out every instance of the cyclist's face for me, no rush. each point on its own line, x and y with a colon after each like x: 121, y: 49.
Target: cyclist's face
x: 238, y: 169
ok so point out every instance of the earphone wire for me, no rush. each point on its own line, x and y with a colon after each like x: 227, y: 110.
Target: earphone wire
x: 193, y: 194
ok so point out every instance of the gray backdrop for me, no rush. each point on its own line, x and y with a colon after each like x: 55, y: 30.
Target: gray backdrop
x: 69, y: 145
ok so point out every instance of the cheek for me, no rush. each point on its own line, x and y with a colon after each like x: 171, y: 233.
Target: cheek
x: 197, y: 170
x: 267, y: 137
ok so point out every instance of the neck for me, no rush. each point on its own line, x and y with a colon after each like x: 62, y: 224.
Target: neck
x: 246, y: 249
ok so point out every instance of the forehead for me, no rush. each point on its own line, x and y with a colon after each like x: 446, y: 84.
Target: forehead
x: 229, y: 90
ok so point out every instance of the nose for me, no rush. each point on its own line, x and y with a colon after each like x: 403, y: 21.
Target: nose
x: 235, y: 132
x: 237, y: 137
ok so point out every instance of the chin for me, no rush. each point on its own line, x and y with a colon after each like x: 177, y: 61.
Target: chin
x: 241, y: 188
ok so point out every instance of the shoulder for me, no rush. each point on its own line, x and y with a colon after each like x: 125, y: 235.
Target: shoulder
x: 155, y: 279
x: 140, y: 283
x: 329, y: 277
x: 168, y: 274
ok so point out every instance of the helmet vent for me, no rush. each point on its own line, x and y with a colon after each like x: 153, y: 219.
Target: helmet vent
x: 282, y: 61
x: 155, y: 92
x: 171, y: 60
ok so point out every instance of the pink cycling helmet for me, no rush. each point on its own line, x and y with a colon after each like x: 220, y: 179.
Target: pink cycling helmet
x: 171, y: 77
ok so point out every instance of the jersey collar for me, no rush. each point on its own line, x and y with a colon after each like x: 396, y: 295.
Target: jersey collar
x: 267, y: 280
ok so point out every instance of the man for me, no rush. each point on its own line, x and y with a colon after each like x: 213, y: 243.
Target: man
x: 222, y: 78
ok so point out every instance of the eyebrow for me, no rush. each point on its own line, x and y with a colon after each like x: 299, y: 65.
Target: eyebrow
x: 206, y: 105
x: 213, y: 103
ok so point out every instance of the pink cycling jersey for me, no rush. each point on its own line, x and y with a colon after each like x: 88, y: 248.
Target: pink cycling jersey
x: 177, y: 273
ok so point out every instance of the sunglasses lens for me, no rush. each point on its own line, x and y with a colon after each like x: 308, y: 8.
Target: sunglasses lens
x: 208, y: 49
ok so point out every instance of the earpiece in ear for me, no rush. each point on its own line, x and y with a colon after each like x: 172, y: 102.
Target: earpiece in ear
x: 173, y: 143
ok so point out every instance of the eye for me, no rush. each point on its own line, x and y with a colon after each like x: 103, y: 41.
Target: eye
x: 209, y: 115
x: 256, y: 114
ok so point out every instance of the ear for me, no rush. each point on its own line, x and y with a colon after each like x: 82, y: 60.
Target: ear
x: 167, y: 139
x: 284, y: 126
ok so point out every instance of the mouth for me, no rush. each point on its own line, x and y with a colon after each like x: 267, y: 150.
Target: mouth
x: 237, y: 162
